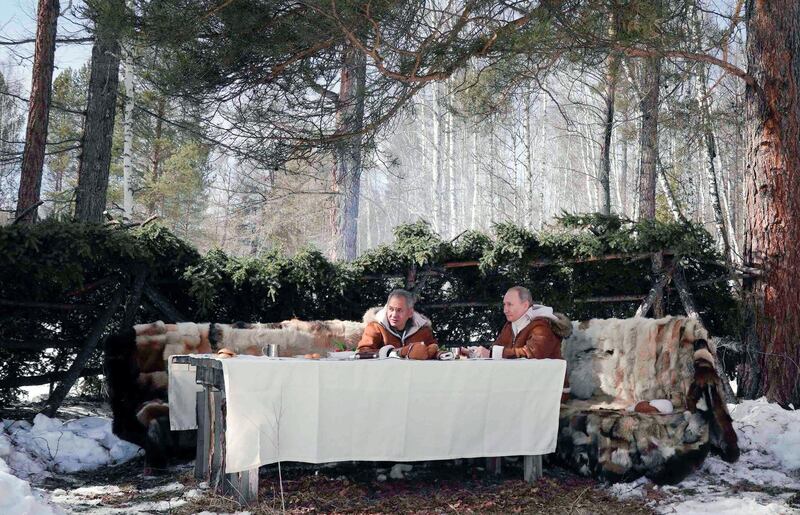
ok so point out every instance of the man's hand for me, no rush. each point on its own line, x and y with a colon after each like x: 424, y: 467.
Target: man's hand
x: 478, y: 352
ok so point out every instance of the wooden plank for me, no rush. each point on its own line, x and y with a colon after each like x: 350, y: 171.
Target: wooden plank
x: 203, y: 435
x: 217, y: 448
x: 46, y: 305
x: 448, y: 305
x: 243, y: 486
x: 613, y: 298
x: 16, y: 382
x: 537, y: 263
x: 532, y: 468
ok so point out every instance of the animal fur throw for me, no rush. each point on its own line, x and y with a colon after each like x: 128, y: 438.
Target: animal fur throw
x: 614, y: 363
x: 632, y: 359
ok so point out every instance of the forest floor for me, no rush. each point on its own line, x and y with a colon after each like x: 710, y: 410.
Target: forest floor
x: 765, y: 480
x: 435, y: 487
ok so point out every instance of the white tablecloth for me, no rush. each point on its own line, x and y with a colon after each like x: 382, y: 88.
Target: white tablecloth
x: 182, y: 397
x: 388, y: 410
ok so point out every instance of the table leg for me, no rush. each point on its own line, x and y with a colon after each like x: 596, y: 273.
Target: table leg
x: 217, y: 434
x: 495, y: 465
x: 203, y: 434
x: 532, y: 467
x: 243, y: 486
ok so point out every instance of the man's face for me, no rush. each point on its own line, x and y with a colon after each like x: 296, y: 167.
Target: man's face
x: 398, y: 312
x: 513, y: 306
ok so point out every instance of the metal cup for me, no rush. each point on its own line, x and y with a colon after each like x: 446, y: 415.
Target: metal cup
x: 270, y: 350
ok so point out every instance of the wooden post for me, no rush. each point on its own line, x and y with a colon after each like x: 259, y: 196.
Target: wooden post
x: 243, y: 486
x: 203, y: 435
x: 134, y: 299
x: 411, y: 278
x: 217, y: 448
x: 691, y: 310
x: 163, y: 305
x: 658, y: 272
x: 532, y: 468
x: 95, y: 335
x: 655, y: 298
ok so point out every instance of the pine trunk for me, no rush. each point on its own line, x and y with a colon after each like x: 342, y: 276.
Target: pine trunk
x: 348, y: 166
x: 648, y: 161
x: 101, y: 108
x: 773, y: 201
x: 30, y: 183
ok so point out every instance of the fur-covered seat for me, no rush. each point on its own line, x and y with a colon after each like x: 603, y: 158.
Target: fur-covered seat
x: 615, y: 363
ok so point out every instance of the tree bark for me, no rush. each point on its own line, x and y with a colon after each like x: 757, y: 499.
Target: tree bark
x: 101, y: 108
x: 648, y: 161
x: 773, y: 200
x: 30, y: 184
x: 348, y: 167
x: 612, y: 72
x: 127, y: 131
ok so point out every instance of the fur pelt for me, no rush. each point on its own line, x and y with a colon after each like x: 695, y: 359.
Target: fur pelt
x: 615, y: 363
x: 705, y: 396
x: 632, y: 359
x: 616, y: 445
x: 136, y: 372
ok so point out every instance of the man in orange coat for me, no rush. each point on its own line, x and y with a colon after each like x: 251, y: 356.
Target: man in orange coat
x: 397, y: 330
x: 528, y: 332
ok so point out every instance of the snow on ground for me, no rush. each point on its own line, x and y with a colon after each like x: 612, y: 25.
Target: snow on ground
x: 16, y: 496
x: 89, y: 499
x: 32, y: 452
x: 50, y: 445
x: 765, y: 479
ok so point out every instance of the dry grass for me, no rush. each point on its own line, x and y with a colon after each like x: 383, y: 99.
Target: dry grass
x: 431, y: 489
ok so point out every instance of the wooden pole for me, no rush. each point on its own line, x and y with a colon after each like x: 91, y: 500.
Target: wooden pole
x: 163, y: 305
x: 95, y: 335
x: 691, y: 310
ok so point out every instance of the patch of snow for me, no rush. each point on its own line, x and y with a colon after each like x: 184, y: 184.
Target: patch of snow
x: 762, y: 425
x: 16, y: 496
x: 632, y: 490
x: 762, y: 481
x: 52, y: 445
x: 172, y: 487
x: 746, y: 502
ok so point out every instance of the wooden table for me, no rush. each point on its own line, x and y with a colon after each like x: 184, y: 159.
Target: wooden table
x: 211, y: 425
